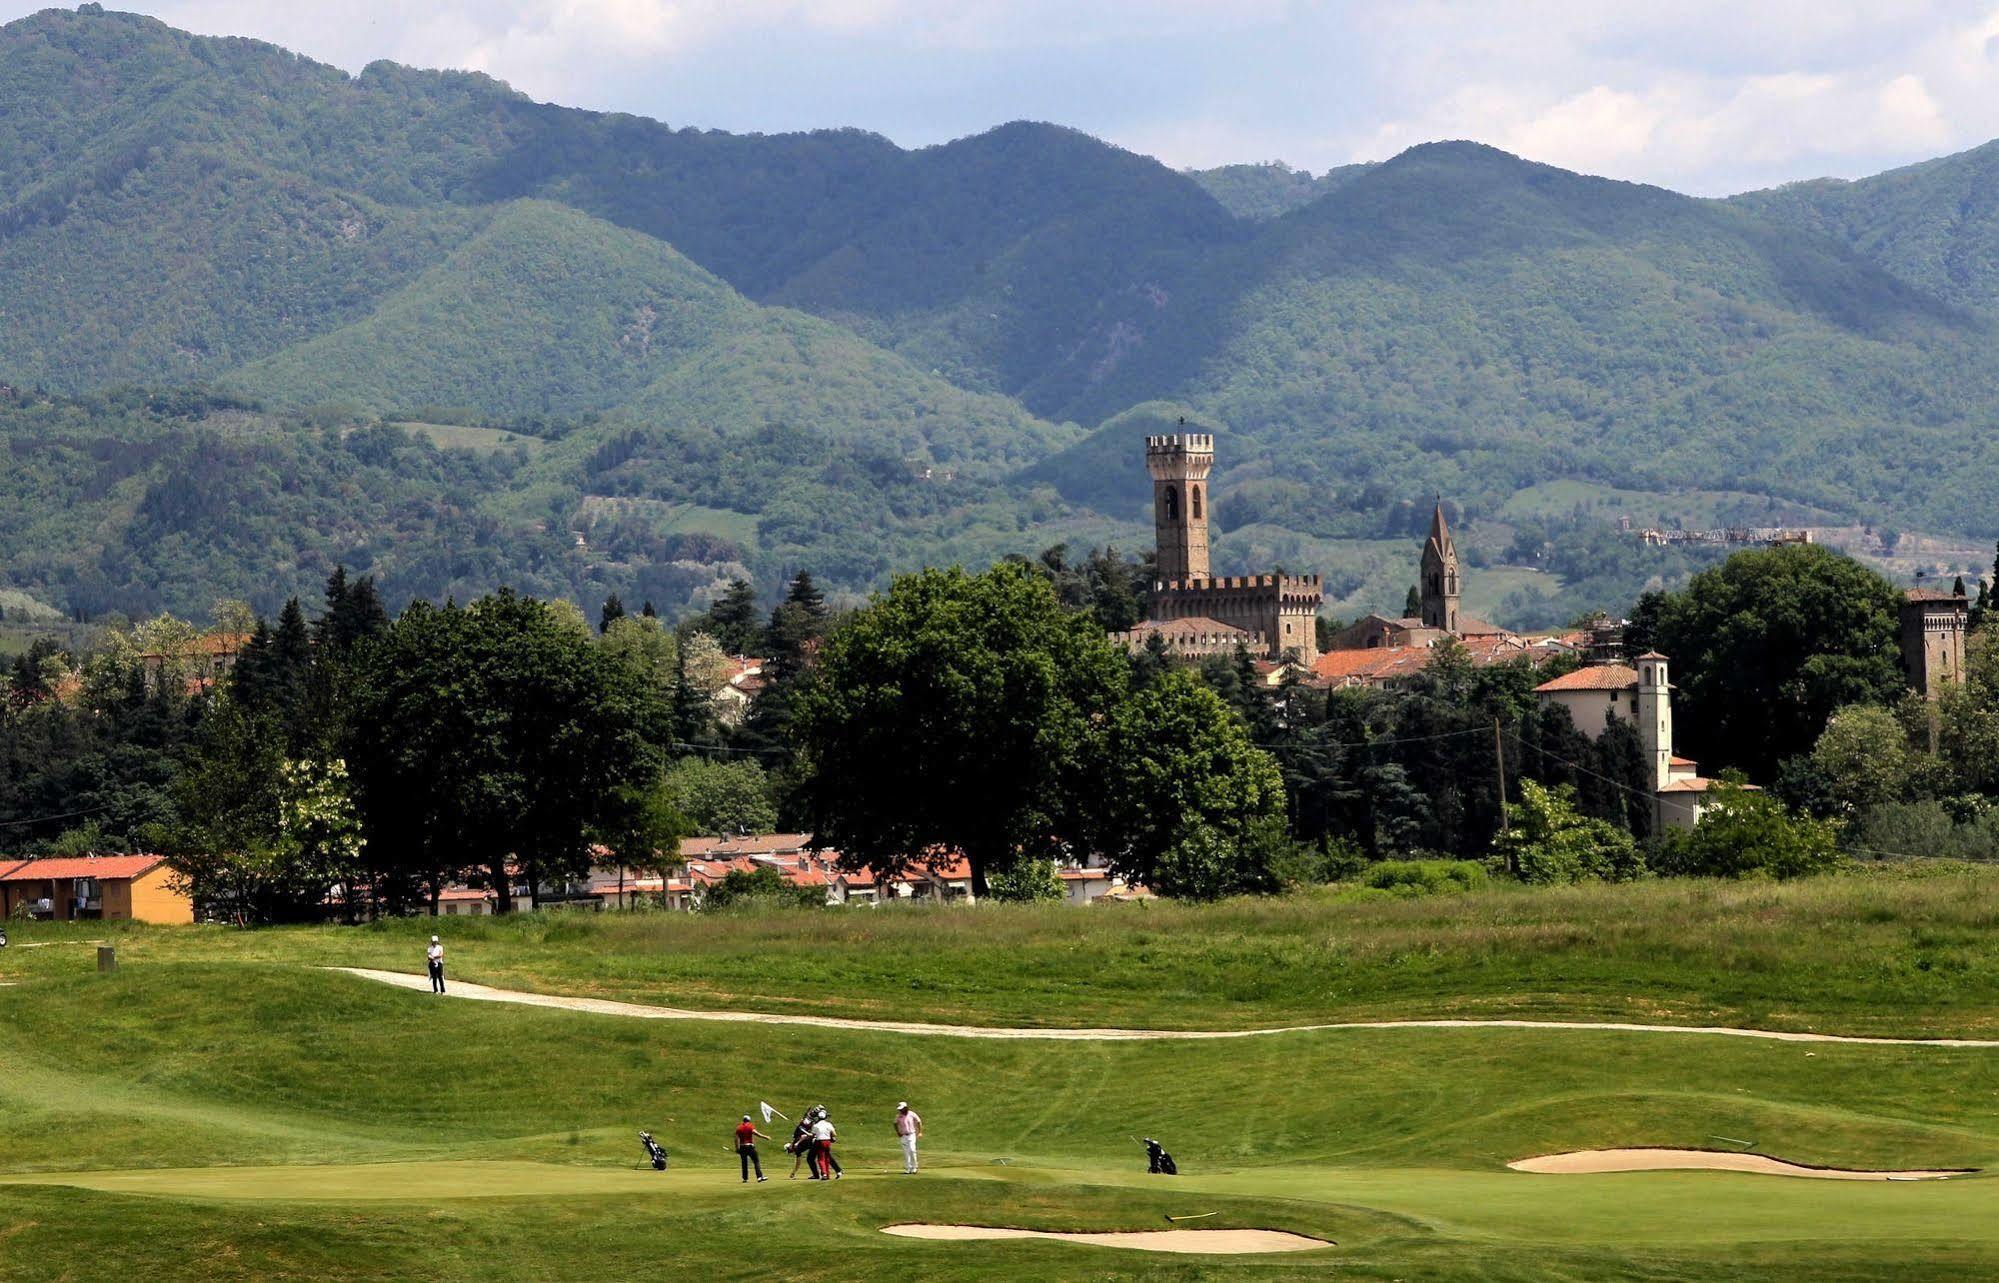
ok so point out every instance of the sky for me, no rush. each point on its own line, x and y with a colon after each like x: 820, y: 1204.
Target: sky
x: 1703, y: 96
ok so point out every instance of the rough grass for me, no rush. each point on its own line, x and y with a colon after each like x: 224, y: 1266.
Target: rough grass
x: 1895, y: 953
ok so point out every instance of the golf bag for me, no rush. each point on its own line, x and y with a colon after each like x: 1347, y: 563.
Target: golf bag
x: 1157, y: 1161
x: 654, y: 1151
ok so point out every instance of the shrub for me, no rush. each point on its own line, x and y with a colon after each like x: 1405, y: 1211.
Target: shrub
x: 1411, y: 878
x: 762, y: 887
x: 1028, y: 882
x: 1746, y: 833
x: 1896, y: 829
x: 1549, y: 841
x: 1334, y: 859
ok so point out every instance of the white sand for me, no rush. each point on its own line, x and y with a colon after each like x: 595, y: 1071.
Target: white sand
x: 1192, y: 1242
x: 1593, y: 1161
x: 646, y: 1011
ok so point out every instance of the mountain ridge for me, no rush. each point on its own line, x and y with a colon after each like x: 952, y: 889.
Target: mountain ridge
x: 670, y: 306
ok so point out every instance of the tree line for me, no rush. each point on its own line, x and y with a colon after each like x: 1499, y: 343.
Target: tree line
x: 353, y: 762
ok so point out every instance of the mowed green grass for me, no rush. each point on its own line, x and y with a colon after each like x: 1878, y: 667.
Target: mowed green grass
x: 1911, y: 954
x: 220, y: 1108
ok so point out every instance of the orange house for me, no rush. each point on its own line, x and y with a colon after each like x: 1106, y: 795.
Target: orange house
x: 132, y: 888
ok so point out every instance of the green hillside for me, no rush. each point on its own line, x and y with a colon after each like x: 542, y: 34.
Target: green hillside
x: 1935, y: 224
x: 1267, y: 190
x: 824, y: 334
x: 1458, y: 319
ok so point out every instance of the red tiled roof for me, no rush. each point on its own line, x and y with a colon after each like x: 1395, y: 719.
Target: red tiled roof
x: 1929, y: 594
x: 1083, y: 875
x: 1598, y: 677
x: 1188, y: 626
x: 89, y: 866
x: 745, y: 844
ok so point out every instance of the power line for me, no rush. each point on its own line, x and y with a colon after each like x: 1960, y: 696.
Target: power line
x: 64, y: 815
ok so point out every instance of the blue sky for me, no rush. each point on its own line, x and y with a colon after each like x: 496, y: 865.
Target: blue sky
x: 1698, y: 95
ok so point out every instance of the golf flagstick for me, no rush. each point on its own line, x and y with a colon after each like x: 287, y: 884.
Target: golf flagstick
x: 1200, y: 1216
x: 768, y: 1109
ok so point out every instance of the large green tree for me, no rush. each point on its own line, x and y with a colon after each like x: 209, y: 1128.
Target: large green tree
x: 1183, y: 801
x: 496, y: 733
x: 956, y: 710
x: 1767, y: 645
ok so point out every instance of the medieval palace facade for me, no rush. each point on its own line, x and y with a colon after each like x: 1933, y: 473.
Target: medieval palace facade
x: 1192, y: 611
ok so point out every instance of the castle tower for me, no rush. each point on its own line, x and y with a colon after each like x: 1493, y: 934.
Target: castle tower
x: 1933, y: 625
x: 1655, y: 717
x: 1180, y: 465
x: 1440, y: 575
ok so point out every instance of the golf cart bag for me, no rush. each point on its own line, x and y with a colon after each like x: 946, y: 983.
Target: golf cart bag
x: 1157, y: 1161
x: 653, y: 1151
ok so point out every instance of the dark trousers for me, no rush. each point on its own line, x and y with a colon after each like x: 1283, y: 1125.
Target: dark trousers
x: 748, y: 1155
x: 437, y: 977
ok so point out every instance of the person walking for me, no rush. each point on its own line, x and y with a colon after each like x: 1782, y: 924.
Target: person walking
x: 823, y: 1136
x: 435, y: 957
x: 909, y: 1130
x: 746, y: 1149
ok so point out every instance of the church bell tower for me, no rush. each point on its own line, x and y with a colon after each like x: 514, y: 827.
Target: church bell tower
x: 1180, y: 465
x: 1440, y: 575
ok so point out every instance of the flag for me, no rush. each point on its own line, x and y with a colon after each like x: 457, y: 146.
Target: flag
x: 768, y: 1111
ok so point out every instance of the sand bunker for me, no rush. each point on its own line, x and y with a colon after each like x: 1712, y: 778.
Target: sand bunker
x: 1193, y: 1242
x: 1593, y: 1161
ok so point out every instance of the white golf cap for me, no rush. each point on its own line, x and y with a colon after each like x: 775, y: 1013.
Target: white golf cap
x: 433, y: 939
x: 746, y: 1118
x: 902, y: 1104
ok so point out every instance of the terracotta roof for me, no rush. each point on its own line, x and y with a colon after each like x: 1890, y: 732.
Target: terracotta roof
x: 456, y: 894
x: 723, y: 848
x: 1698, y: 784
x: 1468, y: 627
x: 1382, y: 661
x: 637, y: 885
x: 1083, y: 875
x: 1189, y: 626
x: 1684, y: 761
x: 89, y: 866
x: 1598, y: 677
x: 1930, y: 594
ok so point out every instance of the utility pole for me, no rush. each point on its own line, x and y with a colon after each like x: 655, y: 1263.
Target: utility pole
x: 1499, y: 769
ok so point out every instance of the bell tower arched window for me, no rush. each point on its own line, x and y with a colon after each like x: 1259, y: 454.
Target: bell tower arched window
x: 1195, y: 495
x: 1171, y: 498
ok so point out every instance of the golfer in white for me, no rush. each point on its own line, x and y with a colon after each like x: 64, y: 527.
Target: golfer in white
x: 909, y: 1127
x: 434, y: 956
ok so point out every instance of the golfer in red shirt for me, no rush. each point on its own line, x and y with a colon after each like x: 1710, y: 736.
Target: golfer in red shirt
x: 746, y: 1148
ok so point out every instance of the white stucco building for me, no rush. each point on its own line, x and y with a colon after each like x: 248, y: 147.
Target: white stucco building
x: 1643, y: 697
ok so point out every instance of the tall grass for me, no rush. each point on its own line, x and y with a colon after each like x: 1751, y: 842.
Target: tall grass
x: 1899, y: 951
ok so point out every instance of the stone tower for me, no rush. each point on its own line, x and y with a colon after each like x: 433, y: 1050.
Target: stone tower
x: 1180, y: 465
x: 1933, y: 625
x: 1440, y: 575
x: 1655, y: 717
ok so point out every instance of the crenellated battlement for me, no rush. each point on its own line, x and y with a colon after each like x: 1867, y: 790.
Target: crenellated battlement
x: 1181, y: 443
x: 1301, y: 587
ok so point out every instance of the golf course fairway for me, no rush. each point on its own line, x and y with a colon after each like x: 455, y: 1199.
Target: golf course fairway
x: 224, y: 1107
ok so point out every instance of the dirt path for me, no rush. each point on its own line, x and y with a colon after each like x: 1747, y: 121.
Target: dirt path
x: 644, y: 1011
x: 1598, y: 1161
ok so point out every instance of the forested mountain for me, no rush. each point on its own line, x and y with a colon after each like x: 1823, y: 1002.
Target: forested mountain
x: 1935, y: 225
x: 719, y: 351
x: 1272, y: 188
